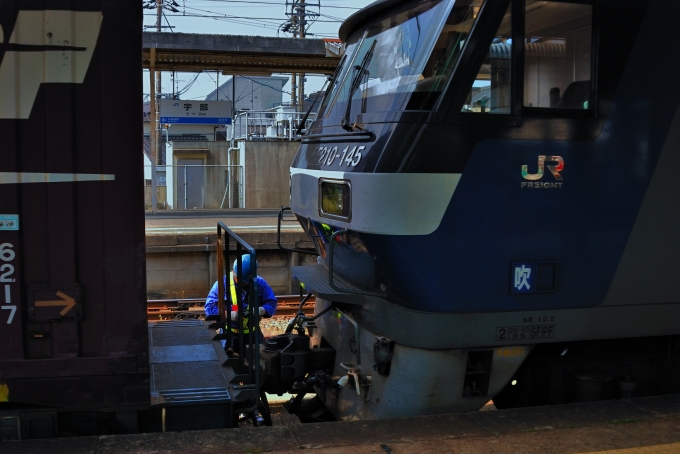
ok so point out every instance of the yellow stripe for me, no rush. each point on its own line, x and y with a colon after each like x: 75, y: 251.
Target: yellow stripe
x: 232, y: 288
x: 4, y: 393
x: 671, y: 448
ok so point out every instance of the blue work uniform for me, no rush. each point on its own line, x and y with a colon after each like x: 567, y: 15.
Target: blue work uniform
x: 265, y: 296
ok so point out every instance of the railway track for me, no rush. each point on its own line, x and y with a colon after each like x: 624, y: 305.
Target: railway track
x: 193, y: 307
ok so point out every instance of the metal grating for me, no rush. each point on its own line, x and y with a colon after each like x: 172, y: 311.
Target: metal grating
x: 176, y: 323
x: 183, y: 335
x: 201, y: 395
x: 188, y: 375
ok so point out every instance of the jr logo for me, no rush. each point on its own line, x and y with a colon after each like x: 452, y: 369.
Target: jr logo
x: 554, y: 169
x: 45, y: 47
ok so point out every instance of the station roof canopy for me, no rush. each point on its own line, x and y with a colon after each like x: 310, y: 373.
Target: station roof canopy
x: 240, y: 55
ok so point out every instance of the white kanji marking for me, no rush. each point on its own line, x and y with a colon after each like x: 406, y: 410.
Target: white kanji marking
x: 522, y: 274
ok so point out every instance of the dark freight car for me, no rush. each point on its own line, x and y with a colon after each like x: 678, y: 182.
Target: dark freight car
x: 72, y: 258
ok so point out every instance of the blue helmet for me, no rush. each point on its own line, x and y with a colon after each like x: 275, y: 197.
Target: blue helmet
x: 245, y: 267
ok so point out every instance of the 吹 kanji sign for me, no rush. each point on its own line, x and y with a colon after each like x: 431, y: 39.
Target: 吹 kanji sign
x: 178, y: 111
x: 522, y: 277
x: 50, y: 302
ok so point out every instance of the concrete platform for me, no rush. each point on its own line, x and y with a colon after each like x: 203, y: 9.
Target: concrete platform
x: 172, y: 233
x: 180, y: 250
x: 650, y: 424
x: 185, y: 231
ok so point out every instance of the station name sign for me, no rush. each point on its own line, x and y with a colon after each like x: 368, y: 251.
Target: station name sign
x: 177, y: 111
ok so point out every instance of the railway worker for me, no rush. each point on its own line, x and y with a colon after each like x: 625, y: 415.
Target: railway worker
x: 267, y: 300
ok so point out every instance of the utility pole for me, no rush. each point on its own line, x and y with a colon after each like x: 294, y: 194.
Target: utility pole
x: 153, y: 147
x: 303, y: 25
x: 297, y: 25
x: 233, y: 111
x: 154, y: 129
x: 155, y: 85
x: 159, y: 12
x: 293, y: 91
x: 293, y: 83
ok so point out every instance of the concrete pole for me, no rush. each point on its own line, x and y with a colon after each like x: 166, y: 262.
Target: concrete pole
x: 293, y: 91
x: 152, y: 127
x: 293, y: 77
x: 233, y: 197
x: 159, y: 12
x: 233, y: 111
x: 301, y: 103
x: 303, y: 22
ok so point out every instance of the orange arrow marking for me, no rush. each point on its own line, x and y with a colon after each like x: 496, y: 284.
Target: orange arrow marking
x: 66, y: 300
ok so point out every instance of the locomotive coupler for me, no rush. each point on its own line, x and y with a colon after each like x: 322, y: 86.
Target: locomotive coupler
x: 355, y: 380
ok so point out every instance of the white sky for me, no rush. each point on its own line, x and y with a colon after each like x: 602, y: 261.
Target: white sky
x: 241, y: 17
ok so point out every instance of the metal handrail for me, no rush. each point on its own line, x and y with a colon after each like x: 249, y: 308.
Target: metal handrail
x: 360, y: 136
x: 220, y: 267
x: 278, y: 236
x: 330, y: 270
x: 255, y: 124
x: 253, y: 354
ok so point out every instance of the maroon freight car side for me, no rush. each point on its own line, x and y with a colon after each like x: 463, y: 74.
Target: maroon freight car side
x: 73, y: 330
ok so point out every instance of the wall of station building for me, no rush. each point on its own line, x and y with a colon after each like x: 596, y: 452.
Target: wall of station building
x: 265, y: 175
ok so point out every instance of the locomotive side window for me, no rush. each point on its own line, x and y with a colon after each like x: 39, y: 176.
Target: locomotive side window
x: 490, y: 92
x: 557, y: 55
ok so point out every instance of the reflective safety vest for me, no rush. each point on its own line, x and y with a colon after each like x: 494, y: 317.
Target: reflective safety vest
x: 234, y: 306
x: 327, y: 230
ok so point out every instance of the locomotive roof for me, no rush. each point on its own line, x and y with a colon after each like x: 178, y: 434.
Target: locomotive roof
x: 363, y: 15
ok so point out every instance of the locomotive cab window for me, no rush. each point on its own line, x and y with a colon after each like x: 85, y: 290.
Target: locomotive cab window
x: 557, y: 55
x: 403, y: 61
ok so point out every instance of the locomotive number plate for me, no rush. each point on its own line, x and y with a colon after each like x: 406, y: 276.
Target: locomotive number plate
x: 507, y: 333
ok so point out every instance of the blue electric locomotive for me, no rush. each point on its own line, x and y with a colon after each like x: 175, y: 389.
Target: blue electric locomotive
x: 491, y: 187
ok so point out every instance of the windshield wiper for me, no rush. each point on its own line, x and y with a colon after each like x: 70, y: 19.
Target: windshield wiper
x: 334, y: 78
x: 356, y: 82
x: 332, y: 81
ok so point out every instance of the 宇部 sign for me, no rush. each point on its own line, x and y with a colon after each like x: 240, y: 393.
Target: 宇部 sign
x: 177, y: 111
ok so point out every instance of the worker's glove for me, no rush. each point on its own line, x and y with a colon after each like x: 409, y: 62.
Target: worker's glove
x: 234, y: 314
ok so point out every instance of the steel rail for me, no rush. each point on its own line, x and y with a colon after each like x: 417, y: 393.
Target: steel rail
x: 165, y: 309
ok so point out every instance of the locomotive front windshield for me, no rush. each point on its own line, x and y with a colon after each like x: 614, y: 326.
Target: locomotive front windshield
x: 403, y: 61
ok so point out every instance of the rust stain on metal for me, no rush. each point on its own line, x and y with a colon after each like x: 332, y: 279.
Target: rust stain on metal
x: 510, y: 351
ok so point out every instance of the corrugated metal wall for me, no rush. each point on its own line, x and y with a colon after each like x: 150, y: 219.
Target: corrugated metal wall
x: 70, y: 96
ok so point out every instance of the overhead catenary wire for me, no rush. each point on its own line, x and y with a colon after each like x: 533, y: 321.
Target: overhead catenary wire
x: 226, y: 16
x: 192, y: 13
x: 215, y: 10
x: 257, y: 2
x: 168, y: 22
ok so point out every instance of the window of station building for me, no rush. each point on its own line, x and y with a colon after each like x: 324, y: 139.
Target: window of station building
x: 491, y: 90
x: 557, y: 55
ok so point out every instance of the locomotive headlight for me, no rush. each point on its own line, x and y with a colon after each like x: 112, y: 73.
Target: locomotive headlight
x: 335, y: 199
